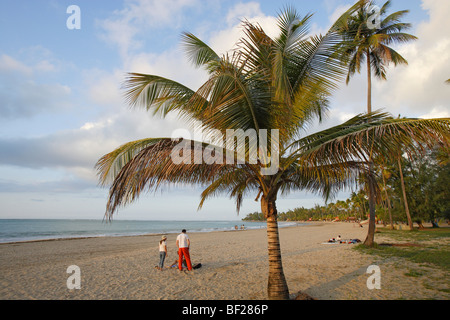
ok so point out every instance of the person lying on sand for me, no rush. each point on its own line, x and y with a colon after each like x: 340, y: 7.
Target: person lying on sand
x: 337, y: 239
x: 350, y: 241
x: 175, y: 264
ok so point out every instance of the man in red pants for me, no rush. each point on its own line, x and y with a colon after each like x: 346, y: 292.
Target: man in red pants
x: 183, y: 244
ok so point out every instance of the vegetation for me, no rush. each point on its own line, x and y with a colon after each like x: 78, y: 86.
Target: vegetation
x: 364, y: 41
x: 423, y: 250
x: 426, y: 182
x: 274, y: 87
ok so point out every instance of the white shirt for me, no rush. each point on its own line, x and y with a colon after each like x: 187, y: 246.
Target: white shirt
x: 183, y: 240
x: 162, y: 246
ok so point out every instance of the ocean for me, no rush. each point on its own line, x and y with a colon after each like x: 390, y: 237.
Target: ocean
x: 17, y: 230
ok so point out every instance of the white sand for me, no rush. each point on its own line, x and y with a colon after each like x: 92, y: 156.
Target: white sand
x: 234, y: 266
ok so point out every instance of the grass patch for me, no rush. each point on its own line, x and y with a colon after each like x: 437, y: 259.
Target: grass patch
x: 416, y: 248
x: 416, y: 235
x: 414, y: 273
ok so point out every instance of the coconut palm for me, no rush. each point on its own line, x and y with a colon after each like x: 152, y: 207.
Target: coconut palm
x: 369, y: 43
x: 273, y: 88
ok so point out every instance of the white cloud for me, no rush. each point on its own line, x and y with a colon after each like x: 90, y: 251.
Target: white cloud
x: 171, y: 64
x: 103, y: 87
x: 241, y: 11
x: 9, y: 65
x: 437, y: 112
x: 418, y: 89
x: 23, y: 95
x: 137, y: 17
x: 223, y: 41
x: 413, y: 90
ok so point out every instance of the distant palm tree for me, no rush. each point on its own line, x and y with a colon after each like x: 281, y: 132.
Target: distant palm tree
x: 366, y: 42
x: 405, y: 199
x: 385, y: 174
x: 278, y: 85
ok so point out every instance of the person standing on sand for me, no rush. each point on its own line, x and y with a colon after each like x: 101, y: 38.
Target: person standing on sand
x: 162, y: 252
x: 183, y: 244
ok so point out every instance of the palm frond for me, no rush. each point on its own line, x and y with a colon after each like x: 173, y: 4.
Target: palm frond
x: 110, y: 164
x: 150, y: 164
x: 161, y: 94
x: 371, y: 135
x: 237, y: 183
x: 199, y: 53
x: 324, y: 180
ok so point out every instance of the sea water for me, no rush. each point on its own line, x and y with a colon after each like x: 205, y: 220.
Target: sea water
x: 16, y: 230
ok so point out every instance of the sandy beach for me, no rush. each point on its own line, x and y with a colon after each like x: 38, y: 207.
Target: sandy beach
x: 234, y: 266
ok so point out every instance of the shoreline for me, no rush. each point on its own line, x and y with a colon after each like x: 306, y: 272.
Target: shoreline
x: 139, y: 235
x: 234, y: 267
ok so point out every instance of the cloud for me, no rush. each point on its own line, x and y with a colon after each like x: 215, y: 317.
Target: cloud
x: 413, y: 90
x: 65, y: 185
x: 78, y: 150
x: 418, y: 88
x: 11, y: 65
x: 223, y: 41
x: 23, y: 95
x: 137, y: 17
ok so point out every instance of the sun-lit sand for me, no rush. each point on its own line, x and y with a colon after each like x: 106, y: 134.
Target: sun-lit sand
x: 234, y: 266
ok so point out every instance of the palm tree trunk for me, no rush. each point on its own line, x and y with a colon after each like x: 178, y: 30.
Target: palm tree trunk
x: 371, y: 232
x: 277, y: 288
x: 408, y: 215
x: 388, y: 201
x: 369, y: 83
x: 370, y: 239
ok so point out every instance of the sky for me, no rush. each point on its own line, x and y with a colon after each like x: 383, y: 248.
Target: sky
x: 62, y: 105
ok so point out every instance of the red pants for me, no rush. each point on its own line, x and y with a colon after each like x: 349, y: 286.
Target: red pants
x: 185, y: 252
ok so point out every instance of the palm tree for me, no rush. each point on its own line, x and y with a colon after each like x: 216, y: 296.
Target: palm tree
x: 274, y: 87
x: 385, y: 174
x: 364, y: 42
x: 405, y: 199
x: 399, y: 157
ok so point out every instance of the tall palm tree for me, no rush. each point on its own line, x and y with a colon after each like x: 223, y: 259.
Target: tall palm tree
x: 365, y: 42
x: 369, y: 45
x: 274, y: 87
x: 399, y: 156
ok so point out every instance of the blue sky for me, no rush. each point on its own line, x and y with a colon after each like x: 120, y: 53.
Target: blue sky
x: 61, y: 106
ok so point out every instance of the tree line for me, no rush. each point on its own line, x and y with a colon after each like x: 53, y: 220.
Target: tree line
x: 425, y: 181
